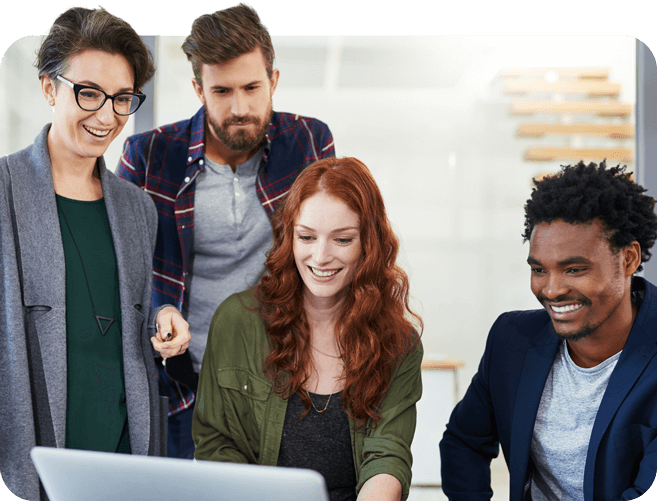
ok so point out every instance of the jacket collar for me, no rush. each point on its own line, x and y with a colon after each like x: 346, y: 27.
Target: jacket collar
x: 536, y: 367
x: 37, y: 223
x: 640, y: 348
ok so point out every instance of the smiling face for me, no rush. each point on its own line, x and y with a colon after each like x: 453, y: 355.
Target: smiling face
x: 327, y: 247
x: 237, y: 96
x: 76, y: 134
x: 583, y: 285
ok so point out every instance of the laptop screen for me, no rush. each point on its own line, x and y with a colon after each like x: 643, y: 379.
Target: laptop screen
x: 75, y: 475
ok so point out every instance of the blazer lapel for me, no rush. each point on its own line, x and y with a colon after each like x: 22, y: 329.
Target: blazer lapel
x: 536, y: 368
x: 124, y: 217
x: 42, y: 253
x: 43, y: 269
x: 640, y: 348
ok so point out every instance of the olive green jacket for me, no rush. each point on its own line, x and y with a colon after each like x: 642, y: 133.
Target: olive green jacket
x: 239, y: 418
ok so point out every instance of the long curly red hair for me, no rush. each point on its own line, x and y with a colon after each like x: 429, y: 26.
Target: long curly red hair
x: 376, y: 328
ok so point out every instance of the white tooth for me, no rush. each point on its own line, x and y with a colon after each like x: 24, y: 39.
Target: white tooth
x: 323, y: 273
x: 97, y: 132
x: 568, y: 307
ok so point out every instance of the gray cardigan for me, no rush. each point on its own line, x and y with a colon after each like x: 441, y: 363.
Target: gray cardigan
x: 33, y: 313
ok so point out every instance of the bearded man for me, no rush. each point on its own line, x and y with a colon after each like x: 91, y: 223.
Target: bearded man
x: 216, y: 179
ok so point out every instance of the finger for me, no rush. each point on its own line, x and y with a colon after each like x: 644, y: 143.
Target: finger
x: 158, y: 333
x: 177, y: 343
x: 164, y: 325
x: 157, y: 345
x: 165, y: 351
x: 180, y: 327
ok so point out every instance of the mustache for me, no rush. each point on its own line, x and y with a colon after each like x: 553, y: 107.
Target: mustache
x: 562, y: 299
x: 246, y: 119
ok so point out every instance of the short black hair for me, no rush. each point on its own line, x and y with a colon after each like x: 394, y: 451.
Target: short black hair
x: 581, y: 193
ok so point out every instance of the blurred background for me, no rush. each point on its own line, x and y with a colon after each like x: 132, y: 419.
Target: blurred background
x: 453, y: 128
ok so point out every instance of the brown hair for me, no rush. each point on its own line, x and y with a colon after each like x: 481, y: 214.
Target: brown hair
x: 79, y: 29
x: 225, y: 35
x: 374, y: 331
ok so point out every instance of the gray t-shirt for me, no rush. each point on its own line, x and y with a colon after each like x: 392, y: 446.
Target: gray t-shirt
x: 562, y: 431
x: 232, y: 235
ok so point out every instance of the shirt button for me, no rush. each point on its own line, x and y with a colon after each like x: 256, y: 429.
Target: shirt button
x: 245, y: 386
x: 187, y: 179
x: 200, y: 162
x: 237, y: 194
x: 189, y: 159
x: 183, y: 226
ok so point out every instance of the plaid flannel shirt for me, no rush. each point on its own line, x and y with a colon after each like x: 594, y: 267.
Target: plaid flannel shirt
x: 165, y: 162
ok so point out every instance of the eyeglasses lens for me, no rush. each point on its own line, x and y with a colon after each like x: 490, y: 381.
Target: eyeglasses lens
x: 91, y: 100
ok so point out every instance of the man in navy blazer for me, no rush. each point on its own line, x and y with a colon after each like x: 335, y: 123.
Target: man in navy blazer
x: 569, y: 391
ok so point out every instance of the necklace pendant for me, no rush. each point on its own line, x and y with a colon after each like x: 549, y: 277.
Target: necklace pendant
x: 100, y: 325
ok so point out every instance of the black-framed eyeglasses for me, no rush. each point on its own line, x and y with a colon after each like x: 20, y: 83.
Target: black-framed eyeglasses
x: 92, y: 99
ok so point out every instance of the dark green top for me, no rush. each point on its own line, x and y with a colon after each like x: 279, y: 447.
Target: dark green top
x: 96, y: 411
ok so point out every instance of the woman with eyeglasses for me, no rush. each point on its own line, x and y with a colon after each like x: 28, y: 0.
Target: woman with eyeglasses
x: 77, y: 331
x: 318, y: 366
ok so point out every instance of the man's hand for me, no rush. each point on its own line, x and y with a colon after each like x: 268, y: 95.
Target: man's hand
x: 172, y: 337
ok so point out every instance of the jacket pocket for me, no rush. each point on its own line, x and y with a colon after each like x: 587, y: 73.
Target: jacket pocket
x: 635, y: 437
x: 629, y: 445
x: 244, y: 400
x: 244, y: 382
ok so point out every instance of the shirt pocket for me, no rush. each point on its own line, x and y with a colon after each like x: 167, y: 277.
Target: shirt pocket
x: 244, y: 398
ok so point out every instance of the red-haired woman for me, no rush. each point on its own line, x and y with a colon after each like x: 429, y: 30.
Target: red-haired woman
x: 318, y: 366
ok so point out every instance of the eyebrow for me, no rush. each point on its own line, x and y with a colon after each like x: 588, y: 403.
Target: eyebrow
x: 565, y: 262
x: 94, y: 84
x: 221, y: 87
x: 337, y: 230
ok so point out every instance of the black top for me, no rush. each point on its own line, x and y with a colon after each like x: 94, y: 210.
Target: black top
x: 321, y: 442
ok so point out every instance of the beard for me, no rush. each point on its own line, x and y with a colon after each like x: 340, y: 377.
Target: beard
x: 574, y: 336
x: 241, y: 139
x: 569, y: 336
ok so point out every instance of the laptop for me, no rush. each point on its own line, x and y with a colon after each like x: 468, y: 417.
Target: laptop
x: 75, y: 475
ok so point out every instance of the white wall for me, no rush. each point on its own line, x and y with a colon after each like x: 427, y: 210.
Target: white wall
x: 426, y: 116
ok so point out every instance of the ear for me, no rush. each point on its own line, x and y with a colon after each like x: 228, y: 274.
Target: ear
x: 198, y: 88
x: 632, y: 258
x: 48, y: 88
x: 274, y: 81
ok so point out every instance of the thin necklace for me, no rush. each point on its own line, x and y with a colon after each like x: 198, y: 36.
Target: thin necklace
x: 93, y: 307
x: 313, y: 404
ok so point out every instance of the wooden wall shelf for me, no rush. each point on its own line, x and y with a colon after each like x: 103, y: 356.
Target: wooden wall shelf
x: 447, y: 364
x: 584, y: 73
x: 604, y: 108
x: 615, y: 131
x: 547, y: 153
x: 588, y: 87
x: 583, y: 87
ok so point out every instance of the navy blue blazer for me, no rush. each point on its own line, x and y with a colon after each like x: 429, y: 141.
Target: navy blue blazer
x: 501, y: 403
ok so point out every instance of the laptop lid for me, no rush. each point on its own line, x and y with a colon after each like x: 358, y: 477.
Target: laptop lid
x: 75, y: 475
